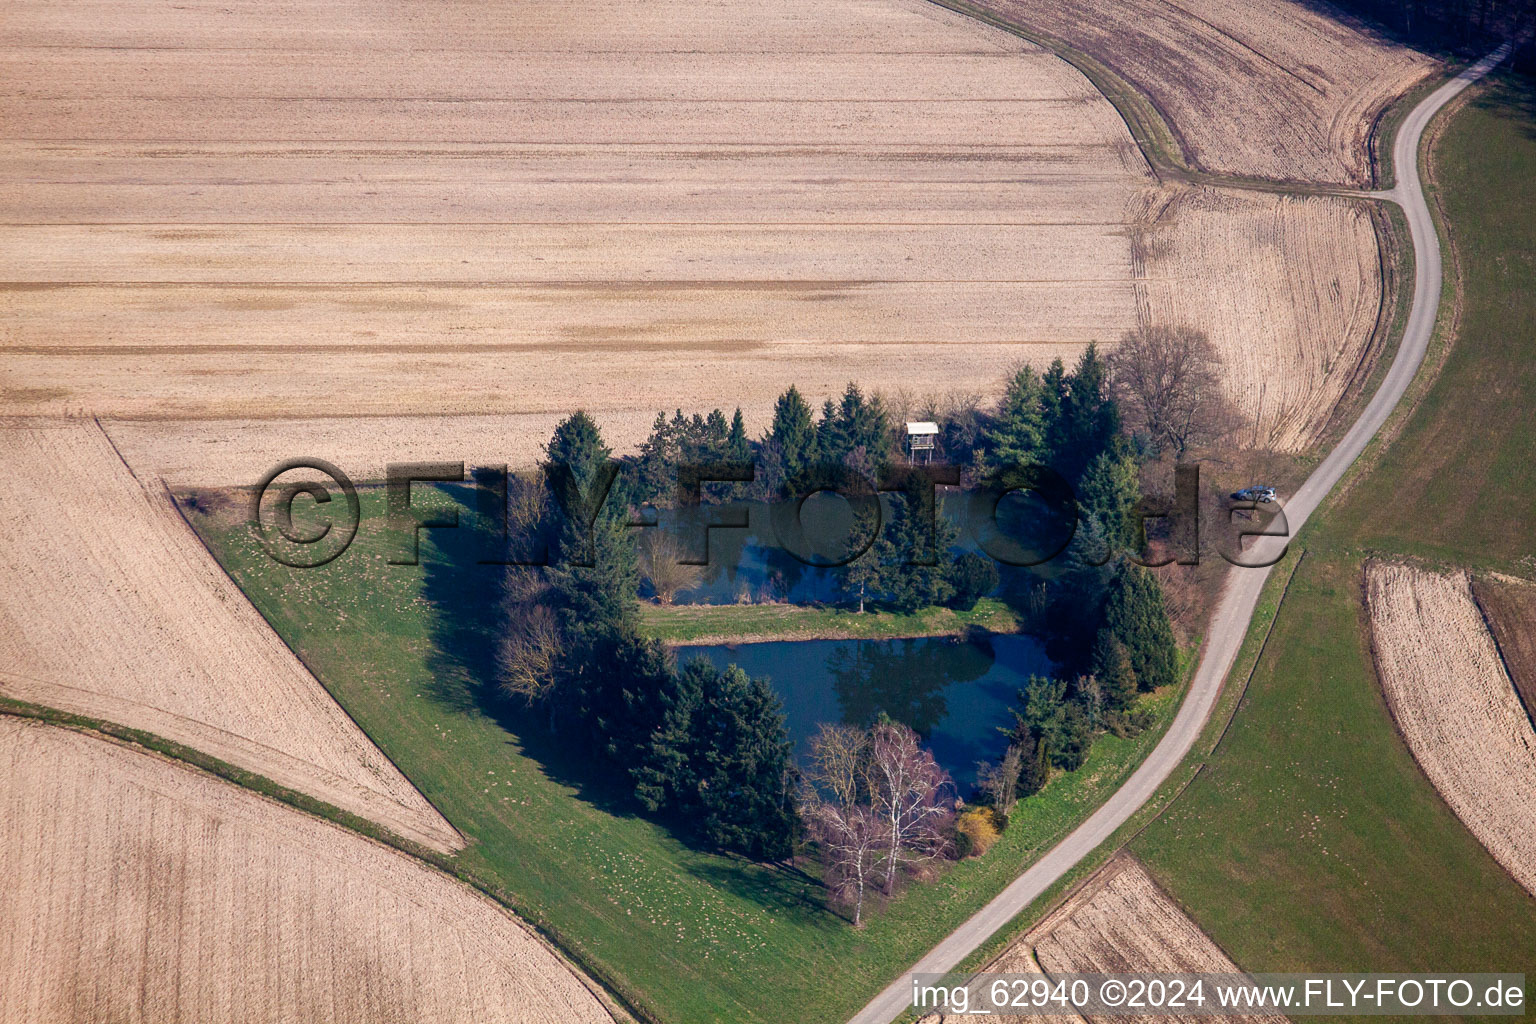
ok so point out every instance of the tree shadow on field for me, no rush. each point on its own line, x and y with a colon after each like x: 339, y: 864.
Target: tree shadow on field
x: 1439, y: 29
x: 466, y: 597
x: 778, y: 888
x: 1513, y: 96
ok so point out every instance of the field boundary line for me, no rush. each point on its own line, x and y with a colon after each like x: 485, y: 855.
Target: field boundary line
x: 116, y: 450
x: 170, y: 496
x: 1498, y: 648
x: 593, y: 978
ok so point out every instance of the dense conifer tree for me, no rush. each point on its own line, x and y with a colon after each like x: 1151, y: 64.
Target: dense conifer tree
x: 1134, y: 613
x: 1016, y: 437
x: 1109, y: 490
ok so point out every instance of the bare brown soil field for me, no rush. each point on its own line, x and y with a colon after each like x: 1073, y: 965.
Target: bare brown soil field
x: 1118, y: 922
x: 110, y: 607
x: 1287, y: 287
x: 1121, y: 921
x: 139, y: 889
x: 1274, y: 88
x: 1456, y: 707
x: 303, y: 212
x: 1509, y: 608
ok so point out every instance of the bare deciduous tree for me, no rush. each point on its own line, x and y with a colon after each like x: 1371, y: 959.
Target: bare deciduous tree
x: 838, y: 762
x: 530, y: 651
x: 661, y: 555
x: 1000, y: 782
x: 1168, y: 383
x: 527, y: 514
x: 852, y: 839
x: 912, y: 796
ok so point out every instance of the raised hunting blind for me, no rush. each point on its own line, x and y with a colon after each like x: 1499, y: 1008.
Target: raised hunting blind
x: 922, y: 438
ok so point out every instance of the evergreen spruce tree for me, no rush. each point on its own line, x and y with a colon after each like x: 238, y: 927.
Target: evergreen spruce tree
x: 595, y: 605
x: 653, y: 466
x: 866, y: 425
x: 972, y: 577
x: 861, y: 580
x: 794, y: 431
x: 1056, y: 721
x: 737, y: 447
x: 1074, y: 610
x: 1053, y: 395
x: 1109, y: 490
x: 665, y: 772
x: 1034, y: 766
x: 716, y: 440
x: 1089, y: 419
x: 746, y: 775
x: 1134, y: 613
x: 904, y: 586
x: 1111, y: 665
x: 1016, y: 436
x: 597, y: 609
x: 577, y: 446
x: 831, y: 441
x: 629, y: 701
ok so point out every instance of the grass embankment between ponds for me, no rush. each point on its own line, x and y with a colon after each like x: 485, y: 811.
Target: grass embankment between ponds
x: 1311, y: 840
x: 759, y: 623
x: 680, y: 934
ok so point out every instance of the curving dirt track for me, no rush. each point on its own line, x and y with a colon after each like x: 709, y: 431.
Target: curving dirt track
x: 140, y: 890
x: 1240, y: 594
x: 110, y: 607
x: 1456, y: 707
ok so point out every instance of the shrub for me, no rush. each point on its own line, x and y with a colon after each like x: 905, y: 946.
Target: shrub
x: 973, y: 578
x: 975, y: 832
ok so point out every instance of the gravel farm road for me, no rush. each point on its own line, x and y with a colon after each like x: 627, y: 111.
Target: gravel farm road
x: 1240, y: 596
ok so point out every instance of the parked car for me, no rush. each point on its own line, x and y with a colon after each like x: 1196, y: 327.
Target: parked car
x: 1262, y: 495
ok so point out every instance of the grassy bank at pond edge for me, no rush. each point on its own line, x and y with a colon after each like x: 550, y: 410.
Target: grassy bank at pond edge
x: 756, y: 623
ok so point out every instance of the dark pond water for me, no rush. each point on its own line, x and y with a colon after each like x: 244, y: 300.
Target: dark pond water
x: 955, y: 693
x: 752, y: 565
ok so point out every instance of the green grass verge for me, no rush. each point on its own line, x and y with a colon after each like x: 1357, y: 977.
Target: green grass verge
x: 1390, y: 122
x: 1311, y: 841
x: 751, y: 623
x: 679, y: 934
x: 1459, y: 484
